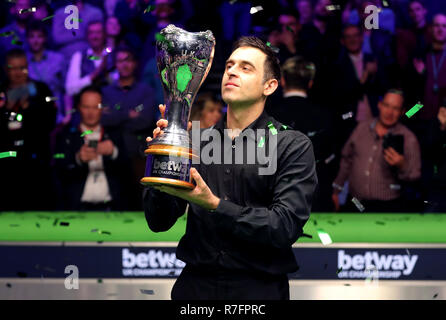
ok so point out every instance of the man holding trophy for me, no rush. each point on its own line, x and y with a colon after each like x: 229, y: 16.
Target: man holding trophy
x: 241, y: 221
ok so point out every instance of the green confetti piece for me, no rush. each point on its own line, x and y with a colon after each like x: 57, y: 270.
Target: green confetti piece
x: 159, y: 37
x: 117, y: 106
x: 16, y: 41
x: 149, y: 8
x: 268, y: 44
x: 183, y: 77
x: 261, y: 142
x: 76, y: 19
x: 325, y: 237
x: 86, y: 132
x: 339, y: 270
x: 284, y: 127
x: 272, y: 128
x: 289, y: 29
x: 414, y: 110
x: 7, y: 34
x: 19, y: 117
x: 94, y: 58
x: 8, y: 154
x: 59, y: 156
x: 48, y: 18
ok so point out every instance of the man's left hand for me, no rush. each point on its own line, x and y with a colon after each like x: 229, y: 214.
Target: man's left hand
x: 200, y: 195
x: 105, y: 148
x: 394, y: 158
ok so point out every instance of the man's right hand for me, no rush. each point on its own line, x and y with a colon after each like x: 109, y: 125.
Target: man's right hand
x: 87, y: 154
x: 162, y: 123
x: 335, y: 199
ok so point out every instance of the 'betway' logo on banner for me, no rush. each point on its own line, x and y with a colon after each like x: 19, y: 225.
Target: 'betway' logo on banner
x: 152, y: 263
x: 388, y: 266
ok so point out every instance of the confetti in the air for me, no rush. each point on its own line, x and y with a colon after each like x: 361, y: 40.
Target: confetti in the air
x: 261, y: 142
x: 145, y: 291
x: 94, y: 58
x: 347, y: 115
x: 139, y: 108
x: 19, y: 117
x: 358, y: 204
x: 8, y: 154
x: 255, y: 9
x: 86, y: 132
x: 333, y: 7
x: 149, y: 8
x: 385, y: 3
x: 48, y: 18
x: 339, y: 270
x: 33, y: 9
x: 7, y: 34
x: 414, y: 110
x: 325, y: 237
x: 276, y: 50
x: 330, y: 158
x: 49, y: 99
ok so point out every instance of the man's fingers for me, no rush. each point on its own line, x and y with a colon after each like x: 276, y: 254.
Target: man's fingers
x: 198, y: 179
x: 189, y: 126
x: 162, y: 108
x: 162, y: 123
x: 148, y: 139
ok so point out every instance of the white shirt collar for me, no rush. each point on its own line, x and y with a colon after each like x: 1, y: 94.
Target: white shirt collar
x: 295, y: 93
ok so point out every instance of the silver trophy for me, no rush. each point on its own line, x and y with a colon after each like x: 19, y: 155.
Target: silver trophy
x: 183, y: 59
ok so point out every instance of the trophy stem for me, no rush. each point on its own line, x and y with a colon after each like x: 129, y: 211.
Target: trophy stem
x: 177, y: 115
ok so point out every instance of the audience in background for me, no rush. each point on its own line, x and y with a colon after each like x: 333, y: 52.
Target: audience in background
x: 129, y: 107
x: 90, y: 161
x: 70, y: 40
x: 355, y: 68
x: 91, y: 65
x: 206, y: 109
x: 26, y: 120
x: 380, y: 155
x: 46, y: 65
x: 296, y: 110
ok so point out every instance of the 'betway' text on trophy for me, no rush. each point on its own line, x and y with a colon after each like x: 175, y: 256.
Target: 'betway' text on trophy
x: 184, y: 59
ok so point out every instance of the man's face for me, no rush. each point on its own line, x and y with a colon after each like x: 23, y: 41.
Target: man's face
x: 289, y: 22
x: 417, y: 12
x: 390, y: 109
x: 439, y: 29
x: 89, y: 108
x: 36, y: 40
x: 96, y: 36
x: 305, y: 9
x: 20, y: 5
x: 113, y: 27
x: 17, y: 70
x: 125, y: 64
x: 243, y: 77
x: 321, y: 8
x: 352, y: 40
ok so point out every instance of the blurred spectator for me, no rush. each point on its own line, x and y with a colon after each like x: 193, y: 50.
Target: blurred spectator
x: 110, y: 6
x: 434, y: 70
x: 414, y: 42
x: 379, y: 42
x: 26, y: 120
x: 436, y: 199
x: 112, y: 32
x: 236, y: 19
x: 69, y: 41
x: 320, y: 44
x: 45, y: 65
x: 288, y: 35
x: 90, y: 160
x: 373, y: 167
x: 300, y: 113
x: 206, y: 109
x: 358, y: 84
x: 305, y: 9
x: 16, y: 29
x: 90, y: 66
x: 130, y: 108
x: 387, y: 20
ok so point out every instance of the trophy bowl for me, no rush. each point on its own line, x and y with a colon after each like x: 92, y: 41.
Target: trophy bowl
x: 183, y: 60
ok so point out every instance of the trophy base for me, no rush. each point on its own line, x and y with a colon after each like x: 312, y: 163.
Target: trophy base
x: 153, y: 181
x: 168, y: 165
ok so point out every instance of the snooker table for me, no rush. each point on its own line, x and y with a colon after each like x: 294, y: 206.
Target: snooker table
x: 341, y: 256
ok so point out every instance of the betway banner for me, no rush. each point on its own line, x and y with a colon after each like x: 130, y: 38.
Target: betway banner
x: 325, y: 263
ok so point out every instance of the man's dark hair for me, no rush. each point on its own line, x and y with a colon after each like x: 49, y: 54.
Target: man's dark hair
x: 36, y: 25
x: 127, y: 49
x: 272, y: 64
x: 15, y: 53
x: 91, y: 88
x: 422, y: 2
x: 298, y: 73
